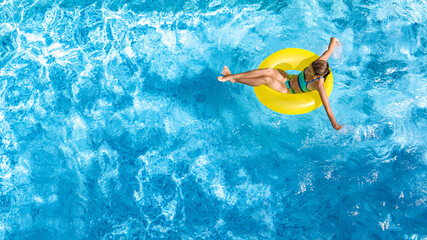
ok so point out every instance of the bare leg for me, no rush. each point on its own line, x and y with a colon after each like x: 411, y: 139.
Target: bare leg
x: 270, y: 77
x: 271, y: 82
x: 250, y: 74
x: 255, y: 81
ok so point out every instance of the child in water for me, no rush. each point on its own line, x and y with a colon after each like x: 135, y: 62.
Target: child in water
x: 312, y: 78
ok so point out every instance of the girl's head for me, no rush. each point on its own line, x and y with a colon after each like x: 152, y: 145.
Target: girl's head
x: 320, y: 68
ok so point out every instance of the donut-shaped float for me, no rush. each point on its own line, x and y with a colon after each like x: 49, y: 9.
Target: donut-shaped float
x: 300, y: 103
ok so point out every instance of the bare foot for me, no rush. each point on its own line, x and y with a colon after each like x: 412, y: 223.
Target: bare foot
x: 227, y: 75
x: 226, y: 71
x: 224, y: 79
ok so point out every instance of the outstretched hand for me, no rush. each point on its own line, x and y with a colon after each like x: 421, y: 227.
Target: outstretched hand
x: 338, y: 127
x: 335, y: 41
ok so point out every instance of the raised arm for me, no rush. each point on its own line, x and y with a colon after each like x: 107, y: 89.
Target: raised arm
x: 325, y: 100
x: 334, y: 42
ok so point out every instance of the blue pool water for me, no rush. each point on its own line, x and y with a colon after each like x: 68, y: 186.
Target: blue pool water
x: 113, y: 125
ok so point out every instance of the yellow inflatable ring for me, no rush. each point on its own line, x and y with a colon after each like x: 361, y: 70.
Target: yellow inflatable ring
x: 291, y: 59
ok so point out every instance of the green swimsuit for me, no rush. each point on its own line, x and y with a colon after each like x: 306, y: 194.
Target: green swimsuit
x: 288, y: 82
x: 301, y: 82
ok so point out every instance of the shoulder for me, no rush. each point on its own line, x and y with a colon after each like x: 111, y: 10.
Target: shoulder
x: 319, y: 84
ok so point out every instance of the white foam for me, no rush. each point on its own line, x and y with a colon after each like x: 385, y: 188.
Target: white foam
x: 338, y: 52
x: 156, y: 164
x: 170, y: 210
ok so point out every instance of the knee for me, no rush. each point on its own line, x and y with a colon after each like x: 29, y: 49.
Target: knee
x: 267, y: 79
x: 269, y: 71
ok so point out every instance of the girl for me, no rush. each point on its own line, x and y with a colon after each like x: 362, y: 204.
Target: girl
x: 310, y: 79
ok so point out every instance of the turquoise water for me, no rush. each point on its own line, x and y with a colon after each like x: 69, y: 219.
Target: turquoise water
x: 113, y: 125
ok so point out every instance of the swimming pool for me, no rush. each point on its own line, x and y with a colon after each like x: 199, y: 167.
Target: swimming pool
x: 113, y: 125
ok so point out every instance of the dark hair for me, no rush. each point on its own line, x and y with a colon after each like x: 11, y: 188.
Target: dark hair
x: 321, y: 68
